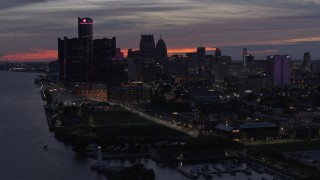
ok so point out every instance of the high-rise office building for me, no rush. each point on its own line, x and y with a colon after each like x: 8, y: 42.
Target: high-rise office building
x: 217, y: 54
x: 71, y: 60
x: 85, y: 28
x: 244, y: 57
x: 201, y: 51
x: 104, y: 50
x: 161, y: 54
x: 85, y: 35
x: 306, y: 65
x: 61, y: 60
x: 83, y: 59
x: 147, y: 48
x: 281, y: 70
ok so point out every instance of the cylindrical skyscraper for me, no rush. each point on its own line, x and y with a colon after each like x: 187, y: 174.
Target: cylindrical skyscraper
x: 85, y: 28
x: 85, y: 35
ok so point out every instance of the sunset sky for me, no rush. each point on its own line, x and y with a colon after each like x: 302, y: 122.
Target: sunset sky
x: 30, y: 28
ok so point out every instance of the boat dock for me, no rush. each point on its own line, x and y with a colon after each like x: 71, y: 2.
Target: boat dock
x: 217, y: 173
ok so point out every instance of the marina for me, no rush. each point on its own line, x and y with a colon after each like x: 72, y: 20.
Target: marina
x: 223, y: 171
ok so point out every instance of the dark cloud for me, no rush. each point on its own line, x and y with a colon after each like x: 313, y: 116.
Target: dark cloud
x: 283, y: 25
x: 1, y: 54
x: 5, y: 4
x: 294, y: 50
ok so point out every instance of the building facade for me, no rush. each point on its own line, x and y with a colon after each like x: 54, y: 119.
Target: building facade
x: 147, y: 47
x: 83, y: 59
x: 103, y: 51
x: 281, y: 70
x: 85, y: 36
x: 306, y: 66
x: 201, y: 51
x: 71, y: 60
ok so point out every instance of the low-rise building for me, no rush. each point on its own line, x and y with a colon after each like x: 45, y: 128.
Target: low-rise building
x: 227, y: 131
x: 259, y: 131
x: 130, y: 94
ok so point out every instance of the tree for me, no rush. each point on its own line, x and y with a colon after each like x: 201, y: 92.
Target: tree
x: 47, y: 96
x: 80, y: 143
x: 158, y: 101
x: 84, y: 115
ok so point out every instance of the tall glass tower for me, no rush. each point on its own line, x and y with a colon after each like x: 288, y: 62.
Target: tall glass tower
x: 85, y: 28
x: 147, y: 47
x: 161, y: 53
x: 85, y: 35
x: 201, y: 51
x: 306, y: 62
x: 281, y: 70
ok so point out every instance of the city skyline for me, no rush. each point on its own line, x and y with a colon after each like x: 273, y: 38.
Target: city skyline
x: 30, y: 29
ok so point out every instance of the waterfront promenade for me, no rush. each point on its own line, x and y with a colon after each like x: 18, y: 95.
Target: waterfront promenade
x: 190, y: 132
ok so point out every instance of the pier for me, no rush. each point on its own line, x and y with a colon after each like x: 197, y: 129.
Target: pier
x: 207, y: 174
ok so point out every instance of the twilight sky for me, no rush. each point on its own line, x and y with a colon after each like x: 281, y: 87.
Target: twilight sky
x: 29, y: 28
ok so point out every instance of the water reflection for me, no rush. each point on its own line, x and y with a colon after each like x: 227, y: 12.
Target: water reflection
x: 169, y: 171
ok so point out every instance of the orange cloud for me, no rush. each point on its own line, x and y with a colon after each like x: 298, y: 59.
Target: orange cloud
x: 177, y: 50
x: 49, y: 54
x: 186, y: 50
x: 34, y: 55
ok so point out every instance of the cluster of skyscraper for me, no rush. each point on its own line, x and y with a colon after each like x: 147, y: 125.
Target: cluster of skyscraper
x: 85, y: 59
x: 150, y: 62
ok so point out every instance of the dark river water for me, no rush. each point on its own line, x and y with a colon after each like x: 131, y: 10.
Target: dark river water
x: 24, y: 131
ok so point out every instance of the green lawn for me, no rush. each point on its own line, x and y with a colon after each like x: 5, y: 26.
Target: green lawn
x: 128, y: 124
x: 119, y: 118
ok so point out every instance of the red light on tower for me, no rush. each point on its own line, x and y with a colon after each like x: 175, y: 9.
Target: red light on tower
x: 84, y: 20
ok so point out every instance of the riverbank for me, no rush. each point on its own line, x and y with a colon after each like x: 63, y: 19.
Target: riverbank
x: 183, y: 158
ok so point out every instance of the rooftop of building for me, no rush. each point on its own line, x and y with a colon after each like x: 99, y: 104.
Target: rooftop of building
x: 224, y: 127
x: 257, y: 125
